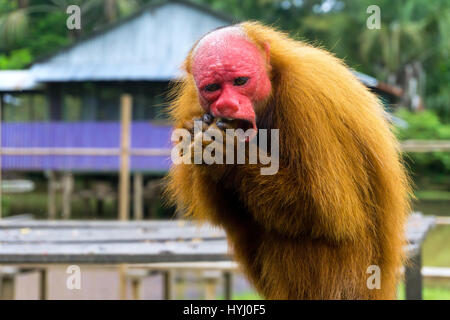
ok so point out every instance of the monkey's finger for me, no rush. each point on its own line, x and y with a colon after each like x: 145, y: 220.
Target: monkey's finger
x: 208, y: 118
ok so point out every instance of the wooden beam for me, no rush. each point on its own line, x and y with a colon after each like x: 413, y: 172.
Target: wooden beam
x: 425, y: 145
x: 124, y: 177
x: 138, y: 203
x: 101, y: 152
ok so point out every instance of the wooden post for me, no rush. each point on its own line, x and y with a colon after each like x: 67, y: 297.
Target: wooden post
x: 43, y: 284
x: 122, y: 282
x: 168, y: 285
x: 7, y: 287
x: 124, y: 177
x: 228, y: 285
x: 413, y: 275
x: 136, y: 287
x: 210, y: 289
x: 51, y: 206
x: 138, y: 197
x: 180, y: 285
x: 211, y: 278
x: 67, y: 186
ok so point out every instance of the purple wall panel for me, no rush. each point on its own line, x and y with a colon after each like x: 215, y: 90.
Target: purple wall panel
x: 82, y: 135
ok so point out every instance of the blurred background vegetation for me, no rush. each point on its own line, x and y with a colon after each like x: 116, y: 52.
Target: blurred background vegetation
x: 410, y: 50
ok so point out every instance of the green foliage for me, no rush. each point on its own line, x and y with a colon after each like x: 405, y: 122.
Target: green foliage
x: 425, y: 125
x: 17, y: 59
x: 434, y: 248
x: 42, y: 42
x: 422, y: 125
x: 5, y: 203
x: 430, y: 292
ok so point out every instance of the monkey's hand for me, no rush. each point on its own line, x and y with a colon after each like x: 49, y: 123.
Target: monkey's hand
x: 207, y: 148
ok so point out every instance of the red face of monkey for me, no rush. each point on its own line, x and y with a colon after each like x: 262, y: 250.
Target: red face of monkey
x: 230, y: 75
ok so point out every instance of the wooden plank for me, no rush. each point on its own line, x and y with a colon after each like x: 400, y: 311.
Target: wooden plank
x: 415, y: 222
x: 111, y: 231
x: 418, y: 226
x: 17, y: 186
x: 17, y: 217
x: 435, y: 272
x: 132, y: 242
x: 124, y: 174
x: 67, y: 236
x: 183, y: 266
x: 94, y: 224
x: 425, y: 145
x: 115, y: 253
x: 443, y: 220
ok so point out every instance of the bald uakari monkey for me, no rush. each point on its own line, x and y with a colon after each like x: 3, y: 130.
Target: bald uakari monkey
x: 338, y: 203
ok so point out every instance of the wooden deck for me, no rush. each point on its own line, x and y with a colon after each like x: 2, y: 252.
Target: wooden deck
x: 29, y: 243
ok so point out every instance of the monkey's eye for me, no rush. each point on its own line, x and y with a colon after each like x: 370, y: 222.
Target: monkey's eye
x: 212, y: 87
x: 240, y: 81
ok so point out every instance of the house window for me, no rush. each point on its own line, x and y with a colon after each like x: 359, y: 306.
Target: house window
x: 25, y: 107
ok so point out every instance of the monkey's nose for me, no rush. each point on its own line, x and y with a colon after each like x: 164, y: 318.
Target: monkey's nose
x: 226, y: 110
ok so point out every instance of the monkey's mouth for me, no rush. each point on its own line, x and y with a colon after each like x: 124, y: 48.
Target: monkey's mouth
x: 243, y: 124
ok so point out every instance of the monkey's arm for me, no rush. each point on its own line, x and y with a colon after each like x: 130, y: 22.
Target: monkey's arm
x: 284, y: 203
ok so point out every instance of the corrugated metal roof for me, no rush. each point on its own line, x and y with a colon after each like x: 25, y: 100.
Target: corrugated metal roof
x: 17, y: 80
x: 150, y: 46
x: 366, y: 79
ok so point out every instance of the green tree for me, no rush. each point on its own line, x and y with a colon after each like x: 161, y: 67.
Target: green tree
x: 39, y: 26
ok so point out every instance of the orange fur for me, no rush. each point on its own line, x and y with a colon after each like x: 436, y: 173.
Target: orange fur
x: 339, y: 201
